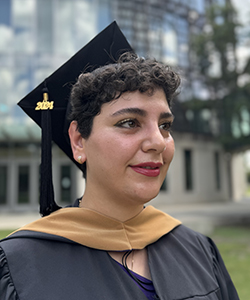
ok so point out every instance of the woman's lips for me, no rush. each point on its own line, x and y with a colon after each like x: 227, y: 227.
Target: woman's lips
x: 149, y: 169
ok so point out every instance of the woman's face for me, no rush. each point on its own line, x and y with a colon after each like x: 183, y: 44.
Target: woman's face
x: 130, y: 148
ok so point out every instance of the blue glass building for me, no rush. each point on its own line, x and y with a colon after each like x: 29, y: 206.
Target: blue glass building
x: 37, y: 36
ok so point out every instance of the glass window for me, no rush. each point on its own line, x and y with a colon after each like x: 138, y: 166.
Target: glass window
x: 76, y: 23
x: 85, y: 25
x: 5, y: 6
x: 63, y: 27
x: 188, y: 170
x: 6, y: 33
x: 42, y: 72
x: 104, y: 14
x: 44, y: 26
x: 217, y: 170
x: 23, y: 14
x: 6, y: 83
x: 200, y: 6
x: 23, y: 79
x: 3, y: 184
x: 23, y: 184
x: 170, y: 41
x: 221, y: 2
x: 66, y: 184
x: 183, y: 41
x: 192, y: 4
x: 155, y: 34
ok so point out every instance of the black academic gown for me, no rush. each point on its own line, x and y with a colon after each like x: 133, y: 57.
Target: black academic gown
x: 39, y: 266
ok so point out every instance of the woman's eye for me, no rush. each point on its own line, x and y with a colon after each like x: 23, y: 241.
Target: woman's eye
x: 128, y: 123
x: 166, y: 126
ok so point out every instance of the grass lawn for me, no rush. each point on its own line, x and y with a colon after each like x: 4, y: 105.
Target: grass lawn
x: 4, y: 233
x: 234, y: 246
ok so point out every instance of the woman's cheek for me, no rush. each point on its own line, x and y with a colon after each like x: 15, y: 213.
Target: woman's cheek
x: 170, y: 149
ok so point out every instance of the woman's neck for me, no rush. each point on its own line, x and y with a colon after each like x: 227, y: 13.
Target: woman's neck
x: 117, y: 210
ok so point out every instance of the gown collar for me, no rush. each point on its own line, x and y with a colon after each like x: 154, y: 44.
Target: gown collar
x: 94, y: 230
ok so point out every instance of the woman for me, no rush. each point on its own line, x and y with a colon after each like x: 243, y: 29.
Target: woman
x: 109, y: 245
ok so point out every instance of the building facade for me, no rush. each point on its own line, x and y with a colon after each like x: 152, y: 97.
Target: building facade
x: 37, y: 36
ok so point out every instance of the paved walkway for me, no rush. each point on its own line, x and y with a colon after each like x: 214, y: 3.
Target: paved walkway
x: 204, y: 217
x: 16, y: 220
x: 200, y: 217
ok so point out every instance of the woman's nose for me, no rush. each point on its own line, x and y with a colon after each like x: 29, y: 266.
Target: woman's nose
x: 154, y: 141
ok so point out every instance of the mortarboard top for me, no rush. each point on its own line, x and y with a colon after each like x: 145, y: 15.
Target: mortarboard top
x: 105, y: 48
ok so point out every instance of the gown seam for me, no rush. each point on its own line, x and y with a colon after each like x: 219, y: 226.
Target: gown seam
x: 211, y: 292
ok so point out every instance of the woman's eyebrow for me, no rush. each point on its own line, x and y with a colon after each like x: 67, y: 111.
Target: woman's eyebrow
x: 166, y: 115
x: 141, y: 112
x: 129, y: 110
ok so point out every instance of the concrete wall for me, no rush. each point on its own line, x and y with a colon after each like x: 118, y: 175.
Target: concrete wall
x: 29, y: 155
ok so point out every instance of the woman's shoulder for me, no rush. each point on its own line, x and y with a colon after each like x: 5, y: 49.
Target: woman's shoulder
x: 188, y: 235
x: 26, y: 240
x: 27, y: 255
x: 186, y: 242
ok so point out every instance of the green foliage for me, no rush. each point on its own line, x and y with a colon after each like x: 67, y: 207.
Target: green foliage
x: 218, y: 41
x: 216, y: 46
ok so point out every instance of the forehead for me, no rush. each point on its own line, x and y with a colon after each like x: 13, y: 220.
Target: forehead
x: 156, y: 99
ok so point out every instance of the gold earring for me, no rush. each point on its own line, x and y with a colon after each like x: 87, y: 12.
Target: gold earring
x: 79, y: 159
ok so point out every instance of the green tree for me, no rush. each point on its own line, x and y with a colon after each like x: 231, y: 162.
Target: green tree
x: 215, y: 57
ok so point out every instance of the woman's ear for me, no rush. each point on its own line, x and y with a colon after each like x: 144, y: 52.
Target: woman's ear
x: 77, y: 142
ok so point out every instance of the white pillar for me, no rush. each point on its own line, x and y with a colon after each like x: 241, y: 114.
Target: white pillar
x: 80, y: 183
x: 239, y: 180
x: 12, y: 180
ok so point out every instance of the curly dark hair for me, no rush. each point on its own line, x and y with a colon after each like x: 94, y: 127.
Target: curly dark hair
x: 107, y: 83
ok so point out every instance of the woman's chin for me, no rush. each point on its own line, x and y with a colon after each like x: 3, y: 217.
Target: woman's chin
x: 146, y: 195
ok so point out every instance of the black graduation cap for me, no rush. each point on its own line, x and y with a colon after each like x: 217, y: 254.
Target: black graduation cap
x: 48, y: 103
